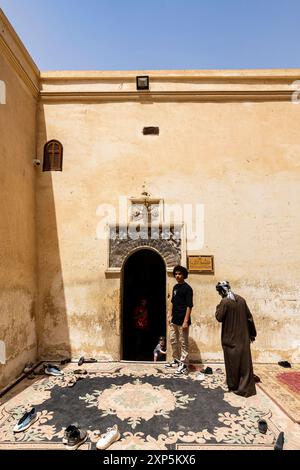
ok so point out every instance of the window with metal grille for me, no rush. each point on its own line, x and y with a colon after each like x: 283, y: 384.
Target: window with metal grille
x: 53, y: 156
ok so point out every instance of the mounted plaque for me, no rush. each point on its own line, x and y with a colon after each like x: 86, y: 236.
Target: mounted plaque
x: 201, y: 264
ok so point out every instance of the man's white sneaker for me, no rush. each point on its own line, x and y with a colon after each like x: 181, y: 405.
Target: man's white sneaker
x: 200, y: 376
x: 111, y: 435
x: 182, y: 369
x: 27, y: 420
x: 173, y: 363
x: 50, y: 369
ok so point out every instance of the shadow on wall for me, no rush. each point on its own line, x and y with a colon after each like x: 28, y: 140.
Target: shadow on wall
x: 52, y: 321
x: 195, y: 353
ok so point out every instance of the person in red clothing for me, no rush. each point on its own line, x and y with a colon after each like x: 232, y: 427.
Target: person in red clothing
x: 141, y: 327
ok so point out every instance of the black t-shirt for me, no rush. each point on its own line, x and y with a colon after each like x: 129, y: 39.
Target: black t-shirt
x: 182, y: 297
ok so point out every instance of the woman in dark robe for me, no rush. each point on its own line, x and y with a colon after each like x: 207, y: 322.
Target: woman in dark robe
x: 238, y: 330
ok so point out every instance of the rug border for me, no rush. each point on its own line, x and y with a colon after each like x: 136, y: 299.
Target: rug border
x: 278, y: 404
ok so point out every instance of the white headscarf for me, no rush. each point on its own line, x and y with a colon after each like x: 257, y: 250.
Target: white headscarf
x: 226, y: 289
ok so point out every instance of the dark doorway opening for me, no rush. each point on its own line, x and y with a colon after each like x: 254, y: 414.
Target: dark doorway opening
x: 144, y: 276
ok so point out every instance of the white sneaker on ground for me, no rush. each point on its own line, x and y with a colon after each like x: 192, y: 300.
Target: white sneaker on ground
x: 173, y: 363
x: 27, y: 420
x: 50, y: 369
x: 182, y: 369
x: 200, y: 376
x: 111, y: 435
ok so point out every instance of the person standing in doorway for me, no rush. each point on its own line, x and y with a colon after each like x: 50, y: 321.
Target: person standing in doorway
x: 238, y: 331
x: 180, y: 321
x: 141, y: 328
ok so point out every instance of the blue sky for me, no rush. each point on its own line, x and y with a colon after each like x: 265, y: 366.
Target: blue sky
x: 158, y: 34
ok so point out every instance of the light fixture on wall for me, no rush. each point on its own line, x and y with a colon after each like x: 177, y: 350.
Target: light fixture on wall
x: 142, y: 82
x: 36, y: 162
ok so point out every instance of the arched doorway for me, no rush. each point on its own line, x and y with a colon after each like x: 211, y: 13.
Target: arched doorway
x: 144, y: 276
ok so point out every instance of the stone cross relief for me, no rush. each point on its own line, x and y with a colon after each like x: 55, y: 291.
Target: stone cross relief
x: 145, y: 212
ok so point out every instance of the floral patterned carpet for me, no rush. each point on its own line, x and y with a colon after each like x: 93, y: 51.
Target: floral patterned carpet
x: 152, y: 408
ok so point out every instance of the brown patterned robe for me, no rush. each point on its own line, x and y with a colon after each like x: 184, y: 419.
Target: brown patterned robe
x: 237, y: 327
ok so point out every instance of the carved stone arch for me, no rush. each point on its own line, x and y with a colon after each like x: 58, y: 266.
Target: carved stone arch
x: 168, y: 242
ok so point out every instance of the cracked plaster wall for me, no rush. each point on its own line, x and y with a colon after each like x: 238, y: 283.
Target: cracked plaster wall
x: 17, y: 225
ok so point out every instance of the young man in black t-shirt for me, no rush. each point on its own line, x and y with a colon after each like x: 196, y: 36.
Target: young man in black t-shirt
x: 182, y: 304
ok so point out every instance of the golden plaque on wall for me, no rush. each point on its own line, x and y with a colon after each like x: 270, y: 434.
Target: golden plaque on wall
x: 201, y: 264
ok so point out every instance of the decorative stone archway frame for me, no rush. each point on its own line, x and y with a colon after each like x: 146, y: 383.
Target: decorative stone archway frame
x: 169, y: 241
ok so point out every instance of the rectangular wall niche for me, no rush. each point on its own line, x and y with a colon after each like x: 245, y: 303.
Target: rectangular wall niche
x: 151, y: 130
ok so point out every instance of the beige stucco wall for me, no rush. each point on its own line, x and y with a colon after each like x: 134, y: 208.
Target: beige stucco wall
x: 229, y: 140
x: 239, y: 158
x: 17, y: 222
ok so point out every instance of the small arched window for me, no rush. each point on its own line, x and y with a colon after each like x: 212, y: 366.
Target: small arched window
x: 53, y: 156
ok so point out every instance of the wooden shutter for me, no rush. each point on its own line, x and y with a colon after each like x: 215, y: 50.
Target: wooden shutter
x: 53, y: 155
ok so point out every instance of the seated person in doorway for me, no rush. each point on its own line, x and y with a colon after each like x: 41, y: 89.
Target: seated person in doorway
x: 160, y: 350
x: 141, y: 327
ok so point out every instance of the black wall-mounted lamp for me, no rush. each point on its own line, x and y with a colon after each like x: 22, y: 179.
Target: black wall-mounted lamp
x: 142, y: 82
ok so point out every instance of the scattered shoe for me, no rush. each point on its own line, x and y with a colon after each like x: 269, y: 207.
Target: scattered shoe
x: 40, y: 371
x: 284, y: 364
x: 27, y: 420
x: 173, y: 363
x: 80, y: 371
x: 111, y: 435
x: 256, y: 378
x: 72, y: 382
x: 218, y: 371
x: 81, y: 361
x: 50, y: 369
x: 31, y: 376
x: 81, y: 378
x: 200, y: 376
x: 28, y: 367
x: 75, y: 438
x: 208, y: 371
x: 279, y: 442
x: 65, y: 361
x: 181, y: 370
x: 262, y: 426
x: 68, y: 431
x: 90, y: 359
